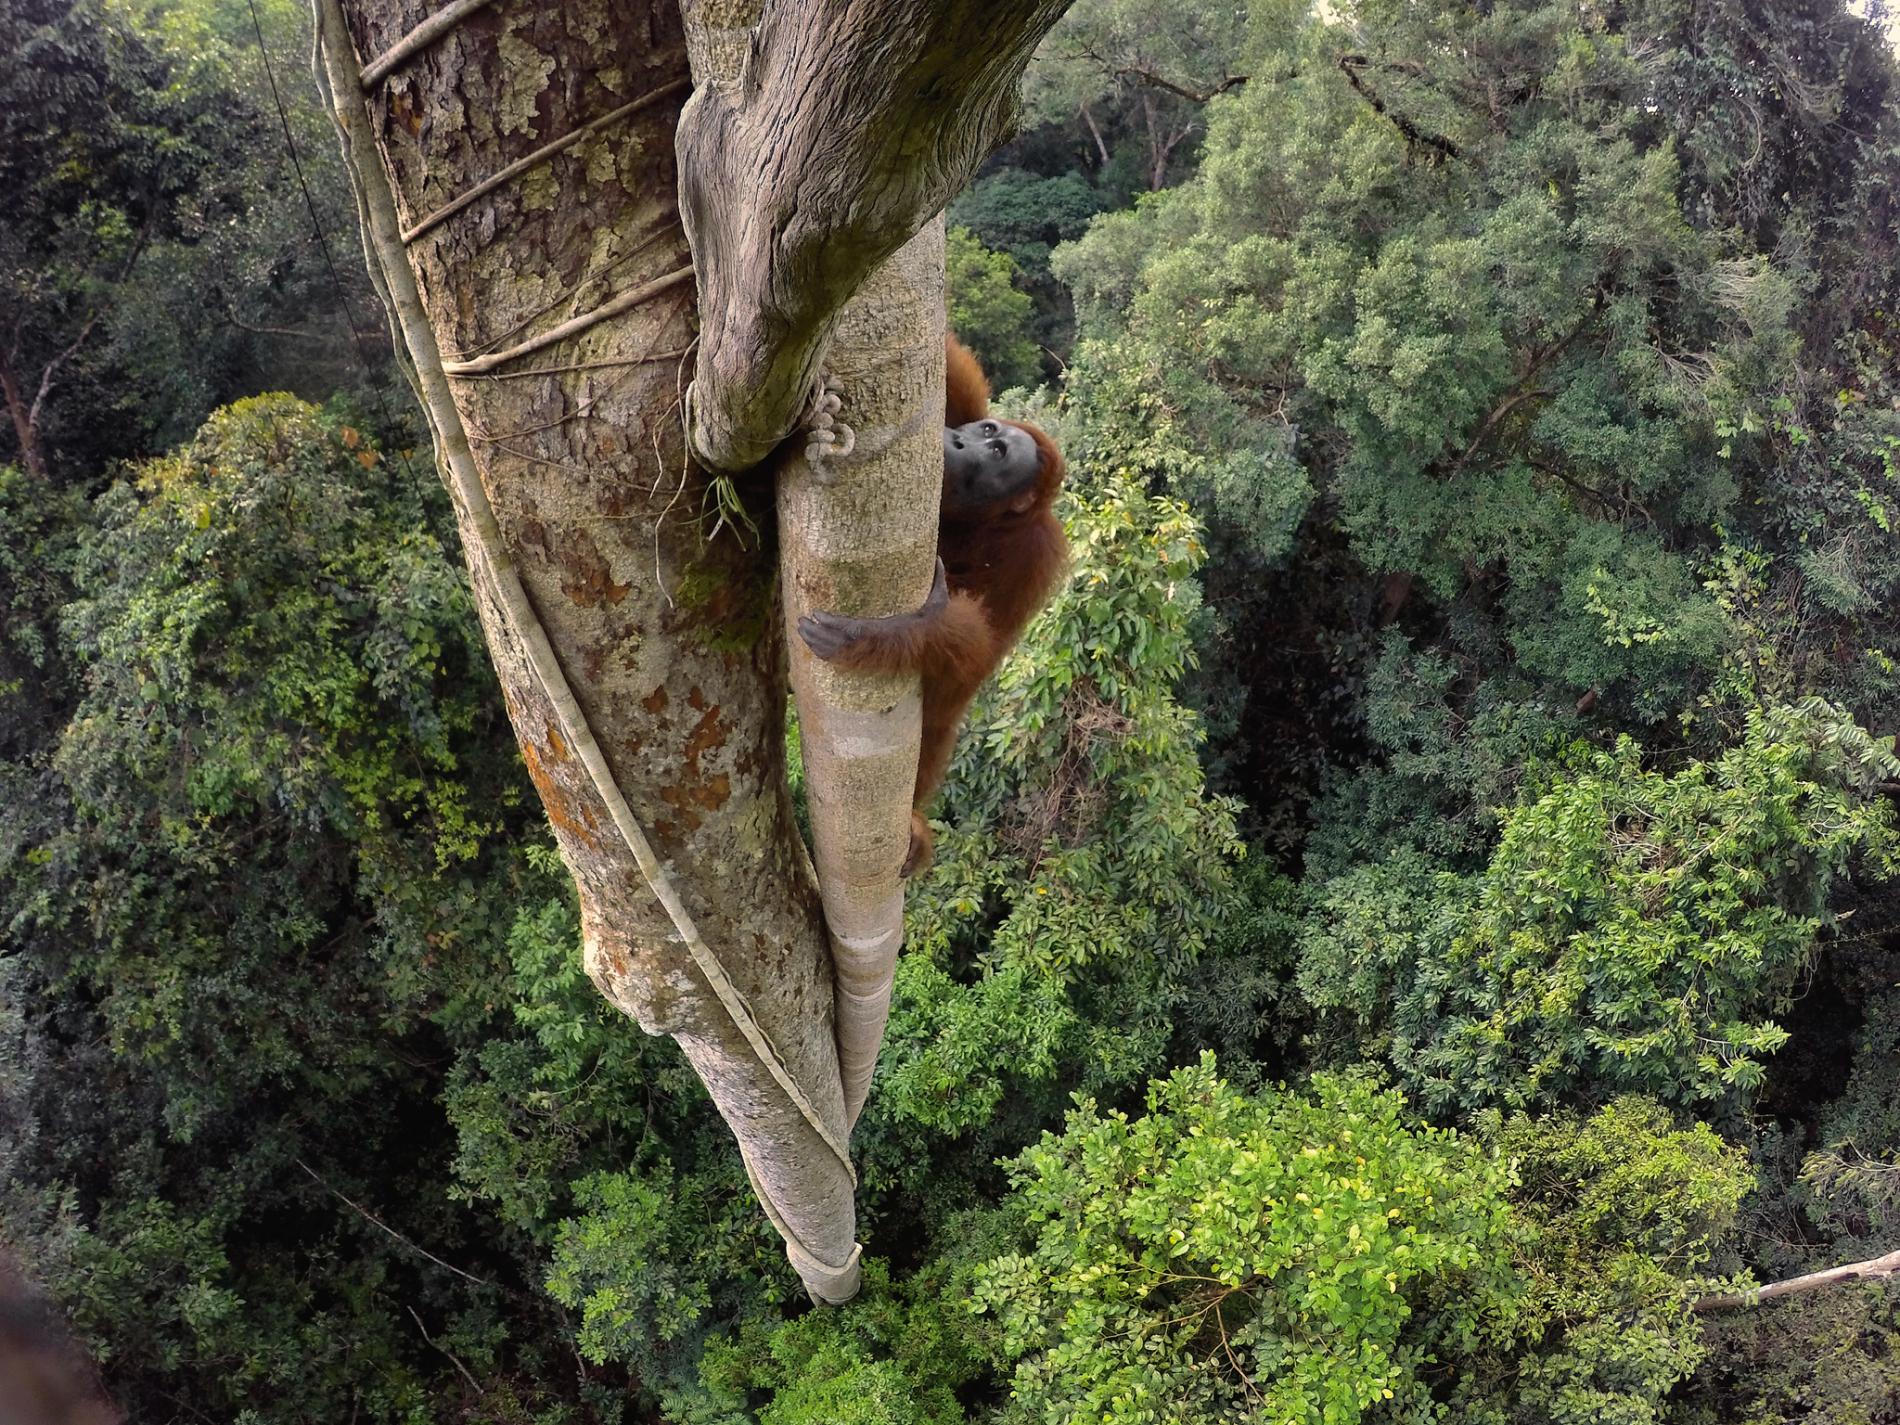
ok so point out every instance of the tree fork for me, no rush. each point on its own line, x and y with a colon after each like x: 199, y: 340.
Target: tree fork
x: 812, y: 180
x: 823, y: 135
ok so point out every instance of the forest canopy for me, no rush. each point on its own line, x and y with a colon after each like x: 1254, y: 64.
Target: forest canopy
x: 1409, y: 934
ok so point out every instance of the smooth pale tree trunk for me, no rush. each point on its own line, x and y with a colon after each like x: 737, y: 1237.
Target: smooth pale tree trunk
x: 1873, y: 1269
x: 24, y: 411
x: 515, y: 167
x: 820, y: 137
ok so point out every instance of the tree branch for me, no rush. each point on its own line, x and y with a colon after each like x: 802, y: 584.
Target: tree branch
x: 51, y: 369
x: 794, y: 185
x: 1523, y: 390
x: 1350, y: 65
x: 1873, y: 1269
x: 1095, y: 132
x: 1193, y: 96
x: 370, y: 1217
x: 1498, y: 413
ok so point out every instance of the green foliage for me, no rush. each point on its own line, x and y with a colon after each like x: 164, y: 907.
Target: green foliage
x: 1620, y: 1217
x: 1085, y: 866
x: 262, y: 655
x: 1227, y: 1258
x: 262, y: 886
x: 599, y: 1147
x: 897, y: 1355
x: 37, y: 539
x: 1518, y: 382
x: 1830, y: 1360
x: 987, y: 311
x: 1020, y: 214
x: 1025, y: 215
x: 1635, y: 929
x: 158, y: 257
x: 1458, y: 332
x: 627, y: 1260
x: 1100, y: 49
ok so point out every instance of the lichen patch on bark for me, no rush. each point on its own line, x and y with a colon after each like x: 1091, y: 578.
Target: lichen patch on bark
x: 525, y: 72
x: 566, y: 813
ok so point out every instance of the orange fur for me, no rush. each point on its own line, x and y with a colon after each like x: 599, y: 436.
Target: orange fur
x: 1001, y: 563
x: 966, y: 390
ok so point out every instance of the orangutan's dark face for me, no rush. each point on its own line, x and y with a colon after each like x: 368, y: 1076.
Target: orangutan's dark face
x: 986, y: 462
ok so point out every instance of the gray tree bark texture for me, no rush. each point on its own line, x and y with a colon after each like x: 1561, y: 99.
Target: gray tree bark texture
x: 517, y: 180
x: 827, y: 133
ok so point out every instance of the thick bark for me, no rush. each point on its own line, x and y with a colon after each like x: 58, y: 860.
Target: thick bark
x: 834, y: 130
x: 667, y: 643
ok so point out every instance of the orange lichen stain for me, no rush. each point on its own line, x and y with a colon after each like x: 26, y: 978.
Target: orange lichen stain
x: 585, y: 577
x: 532, y: 534
x: 612, y: 966
x: 593, y: 586
x: 689, y: 800
x: 655, y: 702
x: 403, y: 110
x: 706, y: 735
x: 557, y: 748
x: 565, y: 813
x: 696, y: 792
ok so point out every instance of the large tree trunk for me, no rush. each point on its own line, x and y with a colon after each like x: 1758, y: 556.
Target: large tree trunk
x: 515, y: 168
x: 667, y: 643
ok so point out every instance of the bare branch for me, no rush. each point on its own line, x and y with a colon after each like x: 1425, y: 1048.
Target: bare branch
x: 1873, y: 1269
x: 429, y: 32
x: 467, y: 1375
x: 1161, y: 81
x: 372, y: 1218
x: 1350, y: 65
x: 1095, y: 132
x: 51, y: 369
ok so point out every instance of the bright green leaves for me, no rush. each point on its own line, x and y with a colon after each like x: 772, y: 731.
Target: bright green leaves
x: 1085, y: 858
x: 1318, y: 1257
x: 1234, y: 1258
x: 894, y: 1356
x: 1635, y: 929
x: 1621, y: 1219
x: 257, y: 624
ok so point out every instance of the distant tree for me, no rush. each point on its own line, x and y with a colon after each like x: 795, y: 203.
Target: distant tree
x: 250, y: 909
x: 1156, y: 65
x: 99, y: 164
x: 1635, y: 930
x: 160, y: 257
x: 1455, y: 310
x: 988, y: 311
